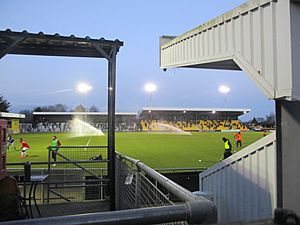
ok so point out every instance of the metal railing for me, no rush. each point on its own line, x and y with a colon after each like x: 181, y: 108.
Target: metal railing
x: 281, y: 217
x: 180, y: 170
x: 139, y: 186
x: 143, y: 197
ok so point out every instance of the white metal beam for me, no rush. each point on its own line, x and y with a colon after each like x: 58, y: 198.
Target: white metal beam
x: 261, y: 37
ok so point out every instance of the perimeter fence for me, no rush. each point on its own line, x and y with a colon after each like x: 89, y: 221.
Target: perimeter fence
x: 79, y: 174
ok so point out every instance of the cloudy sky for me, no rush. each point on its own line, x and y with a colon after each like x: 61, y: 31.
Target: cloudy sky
x: 30, y: 81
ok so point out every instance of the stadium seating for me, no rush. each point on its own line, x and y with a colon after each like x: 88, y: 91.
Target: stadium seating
x: 44, y: 127
x: 151, y: 125
x: 199, y: 125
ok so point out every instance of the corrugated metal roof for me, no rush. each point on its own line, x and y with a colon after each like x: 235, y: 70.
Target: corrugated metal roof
x: 82, y: 113
x: 197, y: 109
x: 11, y: 115
x: 25, y: 43
x: 244, y: 8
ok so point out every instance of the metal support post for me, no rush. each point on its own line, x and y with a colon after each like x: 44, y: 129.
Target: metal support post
x: 137, y: 187
x: 288, y: 154
x: 111, y: 126
x: 49, y: 172
x: 117, y: 184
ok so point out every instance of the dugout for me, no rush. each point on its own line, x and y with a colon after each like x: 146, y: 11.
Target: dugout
x: 13, y: 121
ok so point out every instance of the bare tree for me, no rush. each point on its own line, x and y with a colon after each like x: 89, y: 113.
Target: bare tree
x: 51, y: 108
x: 4, y: 104
x: 260, y: 119
x: 28, y: 116
x: 79, y: 108
x: 93, y: 109
x: 270, y: 118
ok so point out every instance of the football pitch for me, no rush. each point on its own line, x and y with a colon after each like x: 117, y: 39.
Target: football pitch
x: 157, y: 150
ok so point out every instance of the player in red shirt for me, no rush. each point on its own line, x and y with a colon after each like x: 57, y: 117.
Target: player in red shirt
x: 25, y: 147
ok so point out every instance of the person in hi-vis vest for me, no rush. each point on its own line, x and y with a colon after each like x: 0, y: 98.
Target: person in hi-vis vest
x: 227, y: 147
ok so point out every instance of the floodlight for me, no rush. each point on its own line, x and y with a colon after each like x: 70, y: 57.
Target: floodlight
x: 224, y: 89
x: 83, y: 88
x: 150, y: 87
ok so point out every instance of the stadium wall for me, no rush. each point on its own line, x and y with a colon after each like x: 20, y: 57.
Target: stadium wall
x: 243, y: 186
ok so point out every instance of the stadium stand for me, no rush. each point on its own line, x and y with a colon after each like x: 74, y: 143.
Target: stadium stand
x: 153, y: 119
x: 149, y: 119
x: 200, y: 125
x: 61, y: 121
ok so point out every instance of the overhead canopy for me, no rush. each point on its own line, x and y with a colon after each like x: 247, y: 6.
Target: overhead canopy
x: 195, y: 111
x: 167, y: 109
x: 82, y: 113
x: 25, y: 43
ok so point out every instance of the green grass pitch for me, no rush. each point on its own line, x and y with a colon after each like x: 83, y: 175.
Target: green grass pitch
x: 157, y: 150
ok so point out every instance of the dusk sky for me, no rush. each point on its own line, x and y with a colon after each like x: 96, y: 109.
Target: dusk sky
x: 30, y: 81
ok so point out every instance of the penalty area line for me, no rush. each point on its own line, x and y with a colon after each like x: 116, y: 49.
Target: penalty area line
x: 88, y: 142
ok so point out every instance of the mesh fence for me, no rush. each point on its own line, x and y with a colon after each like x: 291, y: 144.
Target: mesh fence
x: 78, y: 174
x: 136, y: 189
x: 84, y: 154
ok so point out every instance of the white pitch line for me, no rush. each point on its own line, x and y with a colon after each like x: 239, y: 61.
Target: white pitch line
x: 87, y: 144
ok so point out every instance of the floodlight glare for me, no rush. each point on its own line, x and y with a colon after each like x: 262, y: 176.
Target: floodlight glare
x: 150, y: 87
x: 224, y: 89
x: 83, y: 88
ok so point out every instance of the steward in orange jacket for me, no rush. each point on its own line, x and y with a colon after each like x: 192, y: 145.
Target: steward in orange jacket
x: 238, y: 138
